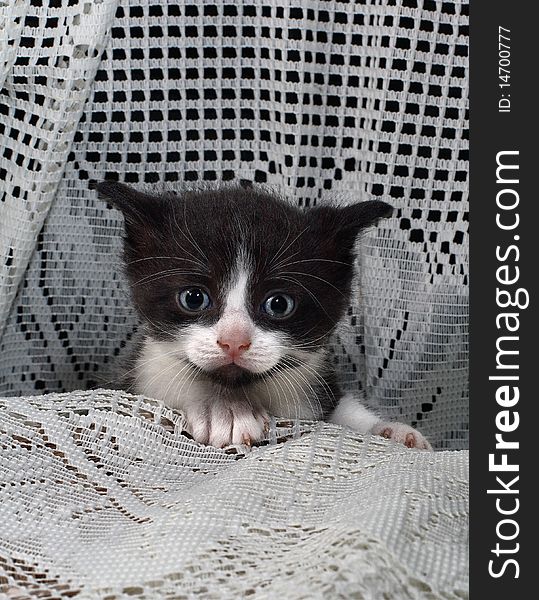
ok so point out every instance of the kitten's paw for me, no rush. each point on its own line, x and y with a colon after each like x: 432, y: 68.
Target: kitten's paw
x: 221, y: 424
x: 249, y: 427
x: 404, y: 434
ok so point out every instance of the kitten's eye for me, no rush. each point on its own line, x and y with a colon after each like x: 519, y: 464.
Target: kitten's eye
x: 278, y: 306
x: 193, y: 300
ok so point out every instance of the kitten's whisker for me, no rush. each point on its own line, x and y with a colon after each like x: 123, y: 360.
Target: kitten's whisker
x: 178, y: 375
x: 154, y: 325
x: 309, y: 343
x: 246, y: 396
x: 125, y: 374
x: 146, y: 385
x: 294, y: 372
x: 150, y: 360
x: 317, y: 378
x: 264, y: 253
x: 193, y: 240
x: 161, y: 274
x: 279, y: 265
x: 294, y: 385
x: 170, y: 366
x: 275, y: 384
x: 183, y: 249
x: 189, y: 237
x: 178, y: 228
x: 305, y: 260
x: 194, y: 259
x: 179, y: 258
x: 267, y: 389
x: 192, y: 376
x: 293, y: 402
x: 276, y: 381
x: 282, y: 251
x: 286, y: 376
x: 296, y: 282
x: 314, y: 277
x: 292, y: 363
x: 278, y: 253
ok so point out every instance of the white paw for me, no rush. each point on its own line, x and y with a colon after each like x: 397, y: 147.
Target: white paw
x: 404, y: 434
x: 220, y: 424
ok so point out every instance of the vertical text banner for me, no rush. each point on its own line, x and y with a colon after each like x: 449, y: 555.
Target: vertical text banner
x: 504, y: 339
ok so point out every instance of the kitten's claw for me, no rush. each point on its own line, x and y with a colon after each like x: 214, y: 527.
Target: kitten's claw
x: 404, y: 434
x: 386, y: 432
x: 410, y: 440
x: 247, y: 426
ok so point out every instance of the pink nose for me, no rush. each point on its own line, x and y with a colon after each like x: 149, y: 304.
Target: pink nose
x: 234, y: 346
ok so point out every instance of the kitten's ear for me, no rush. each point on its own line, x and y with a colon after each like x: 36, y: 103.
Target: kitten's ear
x: 344, y: 224
x: 135, y: 206
x: 356, y: 217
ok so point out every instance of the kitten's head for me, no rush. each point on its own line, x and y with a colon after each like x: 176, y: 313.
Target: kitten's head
x: 238, y: 282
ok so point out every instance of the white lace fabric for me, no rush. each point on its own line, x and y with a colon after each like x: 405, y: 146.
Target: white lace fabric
x: 102, y: 495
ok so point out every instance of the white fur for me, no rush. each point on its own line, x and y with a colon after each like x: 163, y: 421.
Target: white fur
x: 351, y: 413
x: 236, y: 294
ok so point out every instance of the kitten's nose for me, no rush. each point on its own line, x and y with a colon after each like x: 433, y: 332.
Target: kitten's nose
x: 234, y: 345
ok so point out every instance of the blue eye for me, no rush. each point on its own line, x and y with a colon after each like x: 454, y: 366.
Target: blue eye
x: 278, y: 306
x: 193, y: 300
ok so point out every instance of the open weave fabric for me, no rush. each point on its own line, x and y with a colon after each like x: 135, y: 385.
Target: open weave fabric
x: 104, y: 497
x: 318, y: 99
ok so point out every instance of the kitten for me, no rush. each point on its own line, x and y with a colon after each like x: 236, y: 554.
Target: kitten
x: 239, y: 292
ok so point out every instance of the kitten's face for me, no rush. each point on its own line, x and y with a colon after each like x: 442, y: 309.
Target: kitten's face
x: 239, y: 284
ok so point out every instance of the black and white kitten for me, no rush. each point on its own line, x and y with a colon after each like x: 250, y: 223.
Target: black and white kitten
x: 239, y: 292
